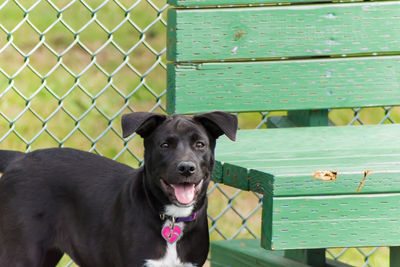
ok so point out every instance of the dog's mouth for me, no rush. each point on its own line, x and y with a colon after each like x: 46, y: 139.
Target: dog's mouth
x: 184, y: 193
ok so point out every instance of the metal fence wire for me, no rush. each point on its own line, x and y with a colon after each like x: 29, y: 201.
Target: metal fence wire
x: 69, y: 69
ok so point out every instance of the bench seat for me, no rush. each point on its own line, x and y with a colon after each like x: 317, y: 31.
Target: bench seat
x: 323, y: 186
x: 248, y: 253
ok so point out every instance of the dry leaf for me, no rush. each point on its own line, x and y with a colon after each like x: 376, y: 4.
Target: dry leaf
x: 325, y: 175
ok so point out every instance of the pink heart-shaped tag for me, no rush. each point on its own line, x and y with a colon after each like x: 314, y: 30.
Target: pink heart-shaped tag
x: 171, y: 234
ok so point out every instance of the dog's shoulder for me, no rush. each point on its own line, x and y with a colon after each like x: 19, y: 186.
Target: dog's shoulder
x: 69, y: 166
x: 69, y: 157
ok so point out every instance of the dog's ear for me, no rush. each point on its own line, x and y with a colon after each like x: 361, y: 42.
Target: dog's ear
x: 141, y: 122
x: 219, y: 123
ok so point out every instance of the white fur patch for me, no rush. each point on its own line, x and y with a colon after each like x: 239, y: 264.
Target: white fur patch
x: 170, y: 258
x: 176, y: 211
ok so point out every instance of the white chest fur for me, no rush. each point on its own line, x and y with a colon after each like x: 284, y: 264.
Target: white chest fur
x: 170, y: 258
x: 175, y: 211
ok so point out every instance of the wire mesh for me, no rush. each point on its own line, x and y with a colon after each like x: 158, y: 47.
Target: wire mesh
x: 69, y: 69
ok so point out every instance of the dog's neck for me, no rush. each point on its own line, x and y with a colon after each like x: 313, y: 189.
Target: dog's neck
x: 178, y: 212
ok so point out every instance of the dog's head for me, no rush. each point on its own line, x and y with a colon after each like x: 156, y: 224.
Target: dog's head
x: 179, y: 150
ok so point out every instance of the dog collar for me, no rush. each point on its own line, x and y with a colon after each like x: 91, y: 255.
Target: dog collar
x: 192, y: 217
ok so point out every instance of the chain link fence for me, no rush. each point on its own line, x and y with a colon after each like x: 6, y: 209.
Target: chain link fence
x: 70, y: 68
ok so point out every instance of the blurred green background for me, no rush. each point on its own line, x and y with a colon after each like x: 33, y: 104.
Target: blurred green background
x: 70, y: 69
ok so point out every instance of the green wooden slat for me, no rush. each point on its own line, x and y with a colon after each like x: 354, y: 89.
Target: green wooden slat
x: 299, y: 139
x: 285, y: 160
x: 334, y: 221
x: 228, y: 2
x: 284, y: 85
x: 312, y: 30
x: 347, y: 182
x: 199, y: 3
x: 360, y: 157
x: 242, y: 252
x: 247, y: 253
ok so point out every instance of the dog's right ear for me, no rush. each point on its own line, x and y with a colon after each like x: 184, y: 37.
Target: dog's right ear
x: 141, y: 122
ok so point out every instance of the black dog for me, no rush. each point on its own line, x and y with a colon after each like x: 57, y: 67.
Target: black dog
x: 106, y: 214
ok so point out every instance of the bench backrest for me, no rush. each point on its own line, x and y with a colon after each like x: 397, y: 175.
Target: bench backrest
x: 289, y: 57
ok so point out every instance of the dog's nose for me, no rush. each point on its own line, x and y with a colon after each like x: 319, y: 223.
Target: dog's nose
x: 186, y: 168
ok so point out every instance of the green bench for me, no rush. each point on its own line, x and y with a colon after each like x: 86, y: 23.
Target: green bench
x: 326, y: 186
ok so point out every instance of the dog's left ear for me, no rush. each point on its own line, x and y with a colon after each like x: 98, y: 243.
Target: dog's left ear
x: 219, y: 123
x: 141, y: 122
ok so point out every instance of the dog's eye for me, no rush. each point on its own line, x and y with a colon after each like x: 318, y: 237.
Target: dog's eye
x: 200, y: 144
x: 164, y: 145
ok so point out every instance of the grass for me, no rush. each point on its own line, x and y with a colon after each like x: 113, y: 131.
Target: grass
x: 53, y: 94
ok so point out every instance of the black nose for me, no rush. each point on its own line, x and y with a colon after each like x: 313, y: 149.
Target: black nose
x: 186, y: 168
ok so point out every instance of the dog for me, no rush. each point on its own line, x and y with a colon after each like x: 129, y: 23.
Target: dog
x: 106, y: 214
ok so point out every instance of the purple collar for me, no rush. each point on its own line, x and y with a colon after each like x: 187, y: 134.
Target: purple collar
x: 179, y: 219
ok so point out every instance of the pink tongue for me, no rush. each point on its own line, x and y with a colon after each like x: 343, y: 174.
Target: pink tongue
x: 184, y: 193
